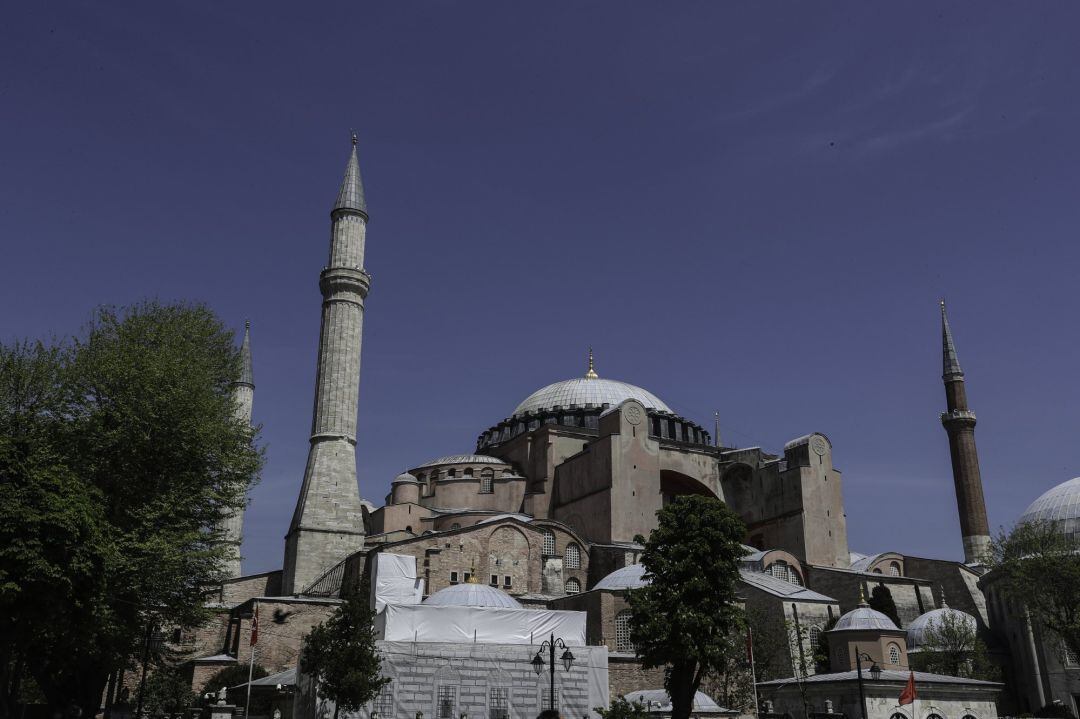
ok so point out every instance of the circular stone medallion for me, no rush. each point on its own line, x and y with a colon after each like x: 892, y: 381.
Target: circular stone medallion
x: 633, y: 414
x: 819, y: 445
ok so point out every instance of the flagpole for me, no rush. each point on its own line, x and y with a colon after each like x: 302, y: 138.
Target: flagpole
x: 753, y: 669
x: 251, y: 659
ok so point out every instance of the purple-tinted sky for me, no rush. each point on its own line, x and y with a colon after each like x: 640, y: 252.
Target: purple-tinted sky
x: 750, y: 207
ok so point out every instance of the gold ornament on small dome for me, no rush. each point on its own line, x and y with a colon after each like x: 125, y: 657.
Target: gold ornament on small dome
x: 591, y: 374
x: 472, y: 576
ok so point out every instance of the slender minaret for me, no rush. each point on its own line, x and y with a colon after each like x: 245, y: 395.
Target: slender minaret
x: 959, y: 422
x: 327, y: 524
x: 243, y: 396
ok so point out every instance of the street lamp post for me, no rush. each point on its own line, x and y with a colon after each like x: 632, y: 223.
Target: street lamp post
x: 875, y: 672
x: 538, y: 662
x: 152, y: 641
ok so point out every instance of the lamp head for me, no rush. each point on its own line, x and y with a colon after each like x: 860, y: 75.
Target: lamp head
x: 875, y: 671
x: 567, y: 659
x: 538, y: 664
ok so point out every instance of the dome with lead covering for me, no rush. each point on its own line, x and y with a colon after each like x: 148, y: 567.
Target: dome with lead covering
x: 919, y: 629
x: 472, y: 595
x: 583, y: 391
x: 863, y: 618
x: 632, y: 576
x: 1060, y: 505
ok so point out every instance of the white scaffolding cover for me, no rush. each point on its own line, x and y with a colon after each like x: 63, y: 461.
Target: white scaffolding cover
x: 483, y: 625
x: 394, y: 581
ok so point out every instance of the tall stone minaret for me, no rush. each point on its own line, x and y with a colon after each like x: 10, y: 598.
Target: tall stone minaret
x: 959, y: 422
x: 243, y: 396
x: 328, y: 523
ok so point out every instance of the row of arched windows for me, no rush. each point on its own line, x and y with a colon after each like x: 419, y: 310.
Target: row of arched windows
x: 487, y: 478
x: 931, y: 715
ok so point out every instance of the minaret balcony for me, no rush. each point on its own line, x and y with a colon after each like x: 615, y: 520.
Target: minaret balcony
x: 958, y: 417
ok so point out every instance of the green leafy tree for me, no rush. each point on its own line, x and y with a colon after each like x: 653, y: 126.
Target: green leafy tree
x: 340, y: 653
x: 1037, y: 568
x: 119, y: 453
x: 772, y: 647
x: 684, y: 618
x: 822, y: 660
x: 234, y: 676
x: 168, y: 691
x: 951, y: 646
x: 622, y: 709
x: 881, y: 599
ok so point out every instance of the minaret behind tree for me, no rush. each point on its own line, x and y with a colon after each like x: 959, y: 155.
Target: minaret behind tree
x: 328, y: 523
x: 959, y: 422
x: 243, y: 396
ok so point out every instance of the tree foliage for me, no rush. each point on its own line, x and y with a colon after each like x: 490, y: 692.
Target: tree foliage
x: 340, y: 653
x: 1037, y: 568
x: 119, y: 452
x: 621, y: 708
x: 684, y: 618
x: 168, y: 691
x: 951, y: 646
x: 881, y: 600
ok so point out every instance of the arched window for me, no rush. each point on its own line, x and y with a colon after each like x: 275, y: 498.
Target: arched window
x: 573, y: 557
x: 815, y: 638
x: 451, y: 472
x: 572, y: 586
x: 894, y: 654
x: 468, y: 472
x: 549, y: 543
x: 508, y: 473
x: 898, y: 715
x: 794, y: 578
x: 934, y: 716
x: 487, y: 482
x: 622, y: 632
x: 969, y: 716
x: 894, y: 569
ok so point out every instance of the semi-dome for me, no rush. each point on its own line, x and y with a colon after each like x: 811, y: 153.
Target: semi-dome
x: 472, y: 595
x: 921, y: 627
x: 1060, y: 505
x: 632, y: 576
x: 863, y: 618
x: 584, y: 391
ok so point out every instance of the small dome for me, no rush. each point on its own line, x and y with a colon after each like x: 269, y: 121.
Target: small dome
x: 1060, y: 505
x: 629, y: 577
x: 472, y: 595
x: 463, y: 459
x: 864, y: 618
x: 582, y: 391
x: 920, y: 628
x: 404, y: 477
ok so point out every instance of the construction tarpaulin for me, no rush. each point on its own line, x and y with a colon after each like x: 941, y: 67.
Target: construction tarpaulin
x: 483, y: 625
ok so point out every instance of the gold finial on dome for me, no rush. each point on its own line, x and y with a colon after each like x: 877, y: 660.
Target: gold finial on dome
x: 862, y: 597
x: 473, y: 579
x: 591, y: 374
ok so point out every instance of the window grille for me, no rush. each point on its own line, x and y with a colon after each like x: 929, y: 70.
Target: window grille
x: 383, y: 703
x: 549, y: 542
x: 894, y: 569
x: 487, y: 484
x: 572, y: 586
x: 444, y: 708
x: 622, y: 632
x: 894, y: 654
x: 498, y: 703
x: 573, y: 557
x: 815, y: 638
x: 1071, y: 660
x: 453, y: 577
x: 794, y: 578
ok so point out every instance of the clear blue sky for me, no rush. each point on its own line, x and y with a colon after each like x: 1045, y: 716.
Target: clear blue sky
x: 747, y: 207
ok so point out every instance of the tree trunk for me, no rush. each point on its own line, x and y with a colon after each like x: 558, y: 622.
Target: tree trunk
x: 680, y: 686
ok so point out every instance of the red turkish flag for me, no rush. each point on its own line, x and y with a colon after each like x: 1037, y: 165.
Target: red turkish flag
x: 908, y: 695
x: 255, y: 626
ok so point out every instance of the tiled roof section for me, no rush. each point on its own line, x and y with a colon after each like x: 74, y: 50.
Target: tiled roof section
x: 463, y: 459
x: 863, y: 618
x: 862, y: 564
x: 581, y: 392
x: 951, y: 364
x: 887, y: 675
x: 781, y: 588
x: 351, y: 194
x: 1060, y: 505
x: 246, y: 376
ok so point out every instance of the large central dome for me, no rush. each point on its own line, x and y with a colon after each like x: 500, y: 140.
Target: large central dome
x: 587, y: 391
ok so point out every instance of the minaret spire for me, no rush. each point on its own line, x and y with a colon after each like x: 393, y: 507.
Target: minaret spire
x: 328, y: 523
x: 959, y: 423
x: 243, y: 396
